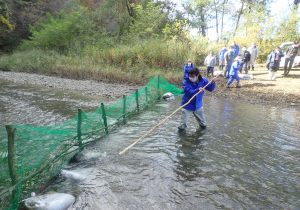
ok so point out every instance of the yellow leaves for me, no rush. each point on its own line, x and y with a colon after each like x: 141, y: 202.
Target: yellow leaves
x: 6, y: 22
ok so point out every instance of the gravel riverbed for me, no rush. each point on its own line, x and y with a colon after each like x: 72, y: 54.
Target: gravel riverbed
x: 90, y: 87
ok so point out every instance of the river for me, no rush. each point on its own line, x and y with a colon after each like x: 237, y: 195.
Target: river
x: 247, y: 158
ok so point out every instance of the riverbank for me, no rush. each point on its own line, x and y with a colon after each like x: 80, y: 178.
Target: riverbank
x: 106, y: 90
x: 285, y: 91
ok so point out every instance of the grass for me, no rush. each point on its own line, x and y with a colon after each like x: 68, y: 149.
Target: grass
x: 83, y: 67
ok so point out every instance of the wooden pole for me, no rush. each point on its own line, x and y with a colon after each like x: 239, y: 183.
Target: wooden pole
x: 79, y: 122
x: 104, y: 118
x: 166, y: 118
x: 146, y: 94
x: 158, y: 87
x: 124, y: 109
x: 137, y: 100
x: 11, y: 153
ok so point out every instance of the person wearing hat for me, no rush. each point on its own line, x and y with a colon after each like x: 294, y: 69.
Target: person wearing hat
x: 233, y: 72
x: 191, y: 86
x: 187, y: 67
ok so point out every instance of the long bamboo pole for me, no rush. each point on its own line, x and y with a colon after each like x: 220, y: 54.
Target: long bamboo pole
x: 165, y: 119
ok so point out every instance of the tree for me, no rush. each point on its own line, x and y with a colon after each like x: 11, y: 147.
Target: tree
x: 148, y: 22
x: 201, y: 15
x: 288, y: 28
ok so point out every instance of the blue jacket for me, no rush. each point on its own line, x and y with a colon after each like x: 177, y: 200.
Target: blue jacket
x: 236, y: 50
x: 235, y: 67
x: 186, y: 70
x: 222, y: 53
x: 191, y: 89
x: 274, y: 64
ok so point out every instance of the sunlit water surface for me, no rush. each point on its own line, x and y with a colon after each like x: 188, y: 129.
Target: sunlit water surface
x: 247, y: 158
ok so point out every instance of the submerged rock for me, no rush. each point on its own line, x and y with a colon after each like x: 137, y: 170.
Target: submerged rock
x: 54, y: 201
x: 168, y: 96
x: 72, y: 175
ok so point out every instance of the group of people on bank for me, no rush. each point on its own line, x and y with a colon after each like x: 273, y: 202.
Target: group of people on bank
x: 245, y: 60
x: 275, y: 56
x: 231, y: 62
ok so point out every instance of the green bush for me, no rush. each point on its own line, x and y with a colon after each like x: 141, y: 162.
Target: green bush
x: 62, y: 33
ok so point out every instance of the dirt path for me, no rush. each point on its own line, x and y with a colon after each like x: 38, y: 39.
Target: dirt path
x: 283, y: 91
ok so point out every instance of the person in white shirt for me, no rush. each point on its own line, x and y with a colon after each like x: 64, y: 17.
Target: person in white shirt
x: 254, y: 53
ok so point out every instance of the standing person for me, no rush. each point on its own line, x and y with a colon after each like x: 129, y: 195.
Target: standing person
x: 229, y: 56
x: 222, y: 58
x: 186, y: 68
x: 246, y: 60
x: 254, y: 54
x: 233, y: 73
x: 236, y: 49
x: 193, y: 85
x: 289, y: 57
x: 210, y: 62
x: 273, y: 62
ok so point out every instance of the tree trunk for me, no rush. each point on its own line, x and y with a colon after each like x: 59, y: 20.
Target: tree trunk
x: 217, y: 20
x: 129, y: 8
x: 203, y: 24
x: 238, y: 18
x: 222, y: 17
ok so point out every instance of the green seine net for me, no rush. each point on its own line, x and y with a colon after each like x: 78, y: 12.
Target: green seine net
x: 40, y: 152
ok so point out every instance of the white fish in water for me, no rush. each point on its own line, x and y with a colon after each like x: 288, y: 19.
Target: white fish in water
x: 55, y: 201
x: 168, y: 96
x: 72, y: 175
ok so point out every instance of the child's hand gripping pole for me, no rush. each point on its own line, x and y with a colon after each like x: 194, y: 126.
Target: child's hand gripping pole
x: 168, y: 117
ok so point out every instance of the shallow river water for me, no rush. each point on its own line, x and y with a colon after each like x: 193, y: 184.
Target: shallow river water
x: 247, y: 158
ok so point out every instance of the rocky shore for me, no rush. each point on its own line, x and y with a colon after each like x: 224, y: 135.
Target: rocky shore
x: 89, y: 87
x: 285, y: 91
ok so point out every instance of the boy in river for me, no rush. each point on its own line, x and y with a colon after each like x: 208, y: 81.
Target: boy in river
x: 191, y: 86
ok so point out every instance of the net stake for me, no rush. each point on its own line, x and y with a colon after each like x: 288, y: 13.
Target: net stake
x: 137, y: 100
x: 79, y: 122
x: 104, y: 118
x: 124, y: 109
x: 11, y: 153
x: 158, y: 87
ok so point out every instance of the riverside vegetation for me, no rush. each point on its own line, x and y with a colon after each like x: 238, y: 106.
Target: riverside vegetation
x: 130, y: 41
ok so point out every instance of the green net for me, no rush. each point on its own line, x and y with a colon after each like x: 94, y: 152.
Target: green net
x: 42, y: 151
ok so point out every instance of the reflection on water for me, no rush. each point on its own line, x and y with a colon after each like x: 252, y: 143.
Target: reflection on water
x: 247, y: 158
x: 24, y: 104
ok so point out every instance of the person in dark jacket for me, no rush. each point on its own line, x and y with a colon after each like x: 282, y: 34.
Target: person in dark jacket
x: 289, y: 57
x: 193, y: 85
x: 273, y: 62
x: 186, y: 68
x: 246, y: 60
